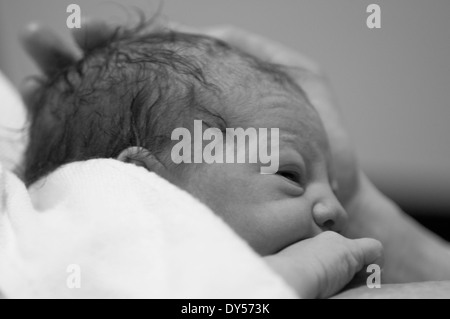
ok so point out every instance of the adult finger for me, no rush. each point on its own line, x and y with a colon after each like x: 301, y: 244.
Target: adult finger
x: 96, y: 33
x: 48, y: 50
x: 93, y: 33
x: 29, y: 90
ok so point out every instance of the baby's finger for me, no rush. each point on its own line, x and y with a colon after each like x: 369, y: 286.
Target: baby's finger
x: 368, y: 251
x: 47, y: 49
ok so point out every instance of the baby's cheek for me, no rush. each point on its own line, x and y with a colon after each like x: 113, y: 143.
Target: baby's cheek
x: 219, y: 186
x: 283, y: 223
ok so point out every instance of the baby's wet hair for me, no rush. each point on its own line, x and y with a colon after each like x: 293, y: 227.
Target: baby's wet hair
x: 131, y: 91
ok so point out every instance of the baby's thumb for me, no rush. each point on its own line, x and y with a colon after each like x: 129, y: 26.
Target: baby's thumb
x: 368, y: 251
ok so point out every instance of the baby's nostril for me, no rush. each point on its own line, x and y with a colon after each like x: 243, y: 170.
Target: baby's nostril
x: 328, y: 224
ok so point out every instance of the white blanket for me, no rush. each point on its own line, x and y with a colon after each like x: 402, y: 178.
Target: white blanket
x: 12, y: 124
x: 117, y: 231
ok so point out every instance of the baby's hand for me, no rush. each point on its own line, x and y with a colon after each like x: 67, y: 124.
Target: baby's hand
x: 321, y: 266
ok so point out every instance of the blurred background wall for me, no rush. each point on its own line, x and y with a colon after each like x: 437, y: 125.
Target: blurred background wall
x: 393, y: 83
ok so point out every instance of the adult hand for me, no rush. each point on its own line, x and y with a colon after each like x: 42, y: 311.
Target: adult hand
x: 51, y: 52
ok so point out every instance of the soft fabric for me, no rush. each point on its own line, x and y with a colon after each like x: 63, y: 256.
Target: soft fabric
x: 12, y: 124
x: 131, y: 233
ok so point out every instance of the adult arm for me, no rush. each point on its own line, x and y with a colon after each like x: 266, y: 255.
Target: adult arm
x: 412, y: 253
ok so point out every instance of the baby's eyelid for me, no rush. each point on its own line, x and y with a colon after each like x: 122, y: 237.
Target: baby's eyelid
x: 294, y: 171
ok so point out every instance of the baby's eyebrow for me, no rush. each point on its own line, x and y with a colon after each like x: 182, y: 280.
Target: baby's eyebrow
x: 304, y: 149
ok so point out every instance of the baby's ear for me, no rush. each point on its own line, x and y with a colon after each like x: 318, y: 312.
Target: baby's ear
x: 141, y: 157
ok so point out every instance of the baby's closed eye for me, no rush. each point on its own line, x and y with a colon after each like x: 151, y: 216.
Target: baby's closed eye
x: 290, y: 175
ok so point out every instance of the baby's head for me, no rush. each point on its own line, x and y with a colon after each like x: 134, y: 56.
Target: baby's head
x: 125, y: 98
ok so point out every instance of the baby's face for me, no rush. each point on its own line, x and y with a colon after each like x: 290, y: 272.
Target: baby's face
x: 274, y: 211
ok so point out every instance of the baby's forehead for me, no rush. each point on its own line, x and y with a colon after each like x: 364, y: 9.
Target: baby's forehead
x: 271, y: 105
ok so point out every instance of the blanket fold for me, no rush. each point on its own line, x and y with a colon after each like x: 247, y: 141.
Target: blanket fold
x: 105, y: 229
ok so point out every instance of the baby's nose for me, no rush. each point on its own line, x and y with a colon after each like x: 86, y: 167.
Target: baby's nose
x: 329, y: 214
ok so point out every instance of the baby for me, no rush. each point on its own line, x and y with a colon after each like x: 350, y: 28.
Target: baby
x: 127, y: 96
